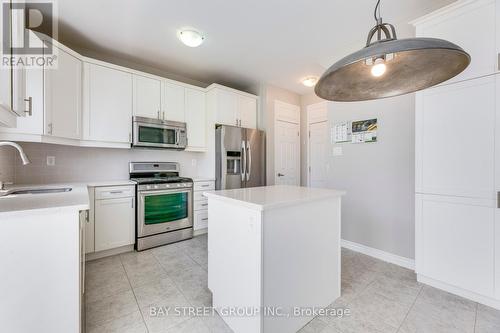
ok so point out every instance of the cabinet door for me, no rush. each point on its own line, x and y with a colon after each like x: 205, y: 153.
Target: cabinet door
x: 196, y: 119
x: 63, y: 97
x: 174, y: 102
x: 455, y: 241
x: 147, y: 97
x: 455, y: 139
x: 114, y: 223
x: 226, y: 108
x: 247, y: 111
x: 472, y: 27
x: 109, y: 114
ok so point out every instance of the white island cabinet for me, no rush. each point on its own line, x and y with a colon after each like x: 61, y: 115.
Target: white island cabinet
x: 273, y: 255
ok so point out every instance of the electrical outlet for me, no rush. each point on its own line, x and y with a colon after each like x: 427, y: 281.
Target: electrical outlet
x: 51, y: 160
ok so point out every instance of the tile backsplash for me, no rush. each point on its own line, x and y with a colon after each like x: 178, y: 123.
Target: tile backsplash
x: 82, y: 164
x: 7, y: 164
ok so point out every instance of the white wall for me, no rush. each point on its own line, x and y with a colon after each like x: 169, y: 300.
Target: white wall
x: 78, y: 164
x: 378, y: 210
x: 271, y: 95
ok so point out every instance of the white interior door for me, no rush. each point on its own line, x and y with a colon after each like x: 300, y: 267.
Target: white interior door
x: 317, y: 144
x: 318, y: 140
x: 287, y: 144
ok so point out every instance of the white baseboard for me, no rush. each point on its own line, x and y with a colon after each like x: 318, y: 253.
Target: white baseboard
x: 459, y: 291
x: 379, y: 254
x: 200, y: 232
x: 107, y: 253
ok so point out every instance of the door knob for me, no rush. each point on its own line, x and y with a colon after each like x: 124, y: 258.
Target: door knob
x: 281, y: 175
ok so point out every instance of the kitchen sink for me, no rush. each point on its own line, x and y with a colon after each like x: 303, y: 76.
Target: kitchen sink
x: 37, y: 191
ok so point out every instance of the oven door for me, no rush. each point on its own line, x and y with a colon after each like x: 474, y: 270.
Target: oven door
x: 155, y: 135
x: 164, y: 210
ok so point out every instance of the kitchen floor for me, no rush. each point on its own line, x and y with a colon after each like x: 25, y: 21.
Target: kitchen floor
x: 132, y: 292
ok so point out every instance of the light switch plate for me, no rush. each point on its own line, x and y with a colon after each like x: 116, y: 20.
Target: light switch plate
x: 51, y: 160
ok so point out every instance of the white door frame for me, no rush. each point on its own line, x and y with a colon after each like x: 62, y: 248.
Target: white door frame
x: 290, y: 113
x: 315, y: 113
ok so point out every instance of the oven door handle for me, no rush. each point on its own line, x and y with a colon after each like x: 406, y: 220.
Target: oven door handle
x: 161, y: 192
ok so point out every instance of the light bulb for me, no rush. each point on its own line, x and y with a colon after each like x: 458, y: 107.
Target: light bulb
x: 310, y: 81
x: 379, y: 67
x: 191, y: 38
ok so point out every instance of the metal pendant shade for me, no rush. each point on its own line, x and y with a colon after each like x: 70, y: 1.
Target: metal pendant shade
x: 409, y: 65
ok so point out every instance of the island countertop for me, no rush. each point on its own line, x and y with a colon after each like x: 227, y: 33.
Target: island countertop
x: 268, y: 197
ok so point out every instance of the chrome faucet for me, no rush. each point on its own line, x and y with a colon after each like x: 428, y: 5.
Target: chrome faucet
x: 24, y: 158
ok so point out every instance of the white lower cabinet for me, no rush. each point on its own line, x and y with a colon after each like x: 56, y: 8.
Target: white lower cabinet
x: 114, y: 217
x: 201, y: 203
x: 456, y: 241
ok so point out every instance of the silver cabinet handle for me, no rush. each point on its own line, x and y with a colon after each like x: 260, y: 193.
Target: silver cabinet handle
x: 163, y: 115
x: 203, y: 205
x: 50, y: 128
x: 244, y: 154
x: 498, y: 199
x: 176, y: 137
x: 158, y: 114
x: 205, y: 219
x: 249, y: 157
x: 236, y: 122
x: 30, y: 106
x: 115, y: 192
x: 281, y: 175
x: 133, y: 201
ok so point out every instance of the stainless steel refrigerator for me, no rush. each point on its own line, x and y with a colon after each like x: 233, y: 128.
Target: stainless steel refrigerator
x: 240, y: 159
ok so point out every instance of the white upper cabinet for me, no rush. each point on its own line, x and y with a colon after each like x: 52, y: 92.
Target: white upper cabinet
x: 63, y: 97
x: 227, y: 108
x: 234, y: 108
x: 107, y: 104
x: 247, y: 110
x: 196, y: 119
x: 147, y: 97
x: 472, y: 26
x: 174, y: 102
x: 455, y: 139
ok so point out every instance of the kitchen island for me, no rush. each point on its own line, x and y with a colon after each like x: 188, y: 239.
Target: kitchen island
x: 273, y: 255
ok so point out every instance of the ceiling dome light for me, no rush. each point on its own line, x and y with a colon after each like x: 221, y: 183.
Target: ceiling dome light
x: 310, y: 81
x: 414, y: 63
x: 191, y: 37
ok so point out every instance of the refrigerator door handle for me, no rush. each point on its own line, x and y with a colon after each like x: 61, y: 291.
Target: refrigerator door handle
x: 244, y: 162
x: 249, y: 157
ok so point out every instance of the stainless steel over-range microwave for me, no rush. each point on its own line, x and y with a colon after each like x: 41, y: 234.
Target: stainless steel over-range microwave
x: 156, y: 133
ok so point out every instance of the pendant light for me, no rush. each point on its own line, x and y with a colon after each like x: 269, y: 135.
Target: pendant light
x: 391, y: 67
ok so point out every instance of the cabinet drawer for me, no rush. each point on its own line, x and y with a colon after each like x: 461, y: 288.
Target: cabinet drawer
x: 114, y: 192
x: 201, y: 204
x: 200, y: 219
x: 198, y: 196
x: 204, y: 186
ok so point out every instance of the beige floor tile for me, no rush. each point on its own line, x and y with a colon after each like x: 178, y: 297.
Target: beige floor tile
x: 162, y: 293
x: 314, y: 326
x: 438, y: 311
x: 215, y: 324
x: 110, y: 308
x: 193, y: 325
x: 487, y: 320
x: 102, y: 283
x: 160, y: 322
x: 132, y: 323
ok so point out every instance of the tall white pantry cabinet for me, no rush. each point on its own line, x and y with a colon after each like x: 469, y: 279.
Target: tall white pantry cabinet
x: 457, y: 162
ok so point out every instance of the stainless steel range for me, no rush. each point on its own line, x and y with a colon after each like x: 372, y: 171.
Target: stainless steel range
x: 164, y: 204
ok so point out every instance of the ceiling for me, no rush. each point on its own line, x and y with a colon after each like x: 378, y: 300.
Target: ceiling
x: 275, y: 42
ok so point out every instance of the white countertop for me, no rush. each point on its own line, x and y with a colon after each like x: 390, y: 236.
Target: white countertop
x: 77, y: 198
x: 111, y: 183
x: 266, y: 197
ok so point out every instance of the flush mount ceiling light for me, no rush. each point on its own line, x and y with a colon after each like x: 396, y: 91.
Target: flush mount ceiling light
x: 190, y: 37
x: 310, y: 81
x: 390, y: 67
